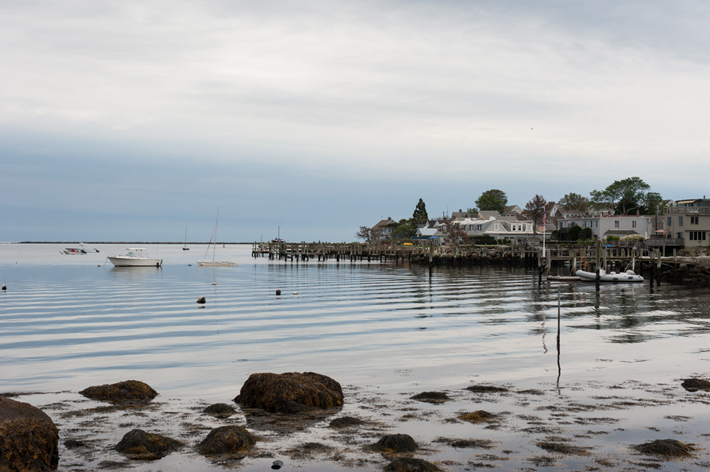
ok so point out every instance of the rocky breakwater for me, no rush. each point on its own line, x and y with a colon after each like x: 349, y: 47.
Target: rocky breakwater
x: 28, y: 438
x: 695, y: 272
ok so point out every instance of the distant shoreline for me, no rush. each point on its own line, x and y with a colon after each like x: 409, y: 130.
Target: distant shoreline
x: 118, y: 242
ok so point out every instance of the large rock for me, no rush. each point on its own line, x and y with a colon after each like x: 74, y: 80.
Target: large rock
x: 411, y: 464
x: 129, y: 391
x: 28, y: 438
x: 226, y: 440
x: 137, y: 444
x: 290, y: 392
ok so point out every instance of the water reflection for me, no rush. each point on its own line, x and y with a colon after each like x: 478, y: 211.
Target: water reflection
x: 361, y: 320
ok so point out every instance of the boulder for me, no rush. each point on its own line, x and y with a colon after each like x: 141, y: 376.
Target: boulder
x: 431, y: 397
x: 345, y: 422
x: 28, y: 438
x: 226, y: 440
x: 220, y: 410
x: 290, y: 392
x: 670, y: 448
x: 129, y: 391
x: 137, y: 444
x: 396, y: 443
x: 693, y: 385
x: 411, y: 464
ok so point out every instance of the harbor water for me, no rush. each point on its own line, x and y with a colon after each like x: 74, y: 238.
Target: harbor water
x: 384, y: 331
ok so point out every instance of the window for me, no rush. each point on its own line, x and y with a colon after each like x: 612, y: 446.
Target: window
x: 680, y: 235
x: 693, y: 220
x: 616, y: 223
x: 633, y: 224
x: 696, y: 235
x: 680, y: 221
x: 670, y: 221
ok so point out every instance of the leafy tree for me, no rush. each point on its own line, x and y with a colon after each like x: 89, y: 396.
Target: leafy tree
x: 492, y: 200
x: 454, y: 233
x: 573, y: 233
x: 624, y: 196
x: 653, y: 203
x: 473, y: 211
x: 420, y: 216
x: 574, y: 202
x: 406, y: 229
x: 535, y: 209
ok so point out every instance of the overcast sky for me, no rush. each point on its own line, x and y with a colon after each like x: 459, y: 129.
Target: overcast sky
x: 126, y: 120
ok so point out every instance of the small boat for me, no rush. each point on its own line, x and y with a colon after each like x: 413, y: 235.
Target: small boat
x: 135, y: 257
x: 184, y: 247
x: 78, y: 250
x: 628, y: 276
x: 213, y: 262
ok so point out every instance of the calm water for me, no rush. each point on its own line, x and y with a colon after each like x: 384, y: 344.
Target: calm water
x: 68, y: 322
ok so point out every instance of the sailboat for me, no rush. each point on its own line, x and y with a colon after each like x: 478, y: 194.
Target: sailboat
x: 184, y: 247
x: 213, y: 262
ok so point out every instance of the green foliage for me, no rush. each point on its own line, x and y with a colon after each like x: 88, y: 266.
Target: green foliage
x: 585, y: 234
x: 612, y: 238
x: 573, y: 233
x: 555, y: 235
x: 420, y: 216
x: 625, y: 196
x: 492, y: 200
x: 483, y: 240
x: 406, y: 229
x: 574, y: 202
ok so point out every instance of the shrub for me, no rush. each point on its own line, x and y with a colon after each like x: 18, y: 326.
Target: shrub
x: 633, y: 237
x: 612, y: 238
x: 573, y: 233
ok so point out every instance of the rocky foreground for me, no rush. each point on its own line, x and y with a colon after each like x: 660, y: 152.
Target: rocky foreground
x: 291, y: 403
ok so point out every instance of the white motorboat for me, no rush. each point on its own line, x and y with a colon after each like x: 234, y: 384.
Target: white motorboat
x: 628, y: 276
x: 213, y: 262
x: 135, y: 257
x: 80, y: 249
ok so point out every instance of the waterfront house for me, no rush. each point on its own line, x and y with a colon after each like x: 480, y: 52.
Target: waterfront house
x: 604, y: 225
x: 689, y: 221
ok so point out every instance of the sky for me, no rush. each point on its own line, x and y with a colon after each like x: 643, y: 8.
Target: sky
x: 132, y: 121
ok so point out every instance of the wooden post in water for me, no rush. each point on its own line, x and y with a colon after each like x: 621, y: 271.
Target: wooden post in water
x: 658, y: 269
x: 599, y: 251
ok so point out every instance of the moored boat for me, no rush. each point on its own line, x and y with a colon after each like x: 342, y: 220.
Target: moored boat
x: 135, y: 257
x: 628, y: 276
x: 80, y: 249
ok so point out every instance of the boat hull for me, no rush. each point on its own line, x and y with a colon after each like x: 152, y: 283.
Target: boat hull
x: 121, y: 261
x: 216, y: 263
x: 624, y: 277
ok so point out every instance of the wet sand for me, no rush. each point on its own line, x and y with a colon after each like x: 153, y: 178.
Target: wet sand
x: 590, y: 426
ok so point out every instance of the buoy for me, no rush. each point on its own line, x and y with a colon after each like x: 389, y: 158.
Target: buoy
x: 277, y: 465
x: 201, y: 300
x: 295, y: 293
x: 278, y: 292
x: 4, y: 287
x: 214, y: 283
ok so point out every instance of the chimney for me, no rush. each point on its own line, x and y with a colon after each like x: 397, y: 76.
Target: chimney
x: 638, y: 212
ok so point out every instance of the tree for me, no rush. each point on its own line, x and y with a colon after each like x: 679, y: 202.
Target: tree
x: 406, y: 229
x: 453, y: 232
x: 535, y: 210
x: 624, y: 196
x: 420, y: 216
x: 573, y: 233
x: 368, y: 234
x: 574, y: 202
x: 492, y: 200
x: 585, y: 234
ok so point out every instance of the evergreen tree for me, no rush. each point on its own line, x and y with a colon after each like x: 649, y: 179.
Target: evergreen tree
x: 420, y: 216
